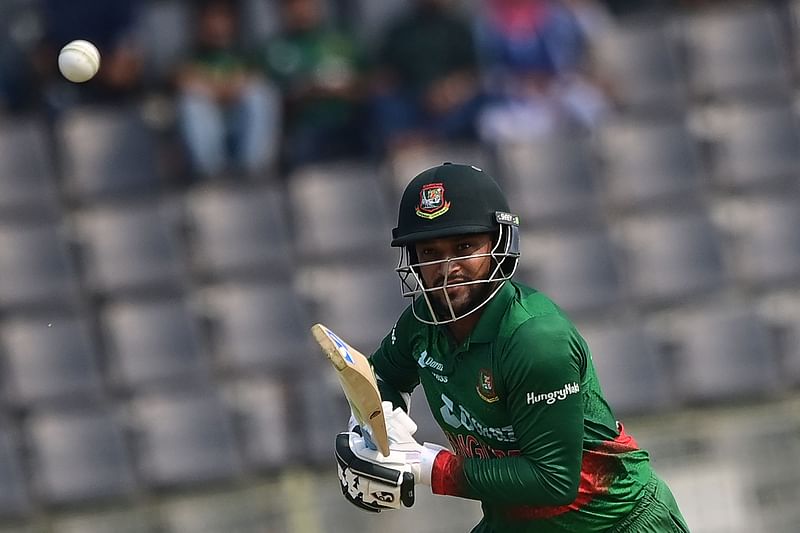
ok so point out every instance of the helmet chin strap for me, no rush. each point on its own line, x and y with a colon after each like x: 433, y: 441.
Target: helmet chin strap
x: 505, y: 249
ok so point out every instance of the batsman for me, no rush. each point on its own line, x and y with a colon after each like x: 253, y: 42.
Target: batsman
x: 508, y: 378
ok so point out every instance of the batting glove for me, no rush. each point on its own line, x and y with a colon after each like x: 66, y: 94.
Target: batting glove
x: 373, y: 482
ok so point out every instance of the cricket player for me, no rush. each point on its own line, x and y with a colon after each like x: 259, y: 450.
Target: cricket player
x: 508, y: 378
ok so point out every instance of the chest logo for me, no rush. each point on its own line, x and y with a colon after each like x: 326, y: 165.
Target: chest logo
x: 432, y: 202
x: 485, y: 386
x: 425, y: 361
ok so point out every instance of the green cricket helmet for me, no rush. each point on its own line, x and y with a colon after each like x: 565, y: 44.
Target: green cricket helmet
x: 446, y: 201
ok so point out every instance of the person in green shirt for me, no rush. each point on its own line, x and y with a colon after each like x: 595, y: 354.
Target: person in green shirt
x: 425, y: 80
x: 229, y: 116
x: 319, y: 71
x: 508, y: 378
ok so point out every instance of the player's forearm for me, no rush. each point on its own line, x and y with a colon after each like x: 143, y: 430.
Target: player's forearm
x: 390, y: 393
x: 394, y: 367
x: 507, y: 480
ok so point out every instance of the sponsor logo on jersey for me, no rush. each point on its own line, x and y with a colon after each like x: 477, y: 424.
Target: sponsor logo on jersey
x: 425, y: 361
x: 485, y: 386
x: 432, y: 202
x: 470, y: 446
x: 553, y: 396
x: 456, y: 416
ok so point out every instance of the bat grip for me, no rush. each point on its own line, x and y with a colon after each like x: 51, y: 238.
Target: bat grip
x: 367, y: 435
x: 368, y: 439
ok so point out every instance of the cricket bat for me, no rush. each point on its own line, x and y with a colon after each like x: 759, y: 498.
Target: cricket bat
x: 358, y: 383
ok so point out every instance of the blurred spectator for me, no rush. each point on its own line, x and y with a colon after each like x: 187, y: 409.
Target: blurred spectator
x: 16, y: 79
x: 623, y: 8
x: 112, y: 27
x: 593, y: 16
x: 229, y: 116
x: 20, y: 32
x: 427, y: 84
x: 320, y: 73
x: 533, y: 52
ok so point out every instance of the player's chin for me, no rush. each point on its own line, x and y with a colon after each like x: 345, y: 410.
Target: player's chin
x: 457, y: 294
x: 459, y: 298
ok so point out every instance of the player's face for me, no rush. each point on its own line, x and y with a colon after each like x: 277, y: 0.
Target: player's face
x: 457, y: 266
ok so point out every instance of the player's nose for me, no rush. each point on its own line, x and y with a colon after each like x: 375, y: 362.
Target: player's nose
x: 451, y: 269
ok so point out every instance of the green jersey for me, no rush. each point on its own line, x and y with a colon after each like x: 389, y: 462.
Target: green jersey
x: 521, y: 405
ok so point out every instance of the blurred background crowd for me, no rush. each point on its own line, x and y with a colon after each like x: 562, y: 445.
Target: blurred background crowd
x: 170, y: 230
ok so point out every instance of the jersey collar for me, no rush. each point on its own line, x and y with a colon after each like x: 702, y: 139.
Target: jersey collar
x: 487, y: 326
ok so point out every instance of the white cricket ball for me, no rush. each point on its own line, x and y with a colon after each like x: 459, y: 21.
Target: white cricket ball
x: 79, y: 61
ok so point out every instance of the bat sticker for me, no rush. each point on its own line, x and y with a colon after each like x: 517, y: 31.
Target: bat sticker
x: 340, y: 346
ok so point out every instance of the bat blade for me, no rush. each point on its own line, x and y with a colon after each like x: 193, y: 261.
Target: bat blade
x: 358, y: 383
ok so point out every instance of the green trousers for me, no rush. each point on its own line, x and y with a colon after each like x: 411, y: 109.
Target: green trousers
x: 656, y: 512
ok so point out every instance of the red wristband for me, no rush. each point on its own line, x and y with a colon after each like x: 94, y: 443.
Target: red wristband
x: 447, y: 474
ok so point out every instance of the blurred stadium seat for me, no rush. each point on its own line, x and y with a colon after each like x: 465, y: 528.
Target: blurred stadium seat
x: 766, y: 450
x: 781, y: 312
x: 755, y: 146
x: 669, y: 257
x: 634, y: 376
x: 649, y: 163
x: 722, y: 353
x: 737, y: 52
x: 154, y: 344
x: 80, y: 457
x: 359, y: 302
x: 339, y: 210
x: 28, y: 187
x: 763, y: 241
x: 324, y: 412
x: 184, y: 438
x: 132, y: 249
x: 239, y: 231
x: 578, y: 269
x: 130, y: 520
x: 50, y: 361
x: 641, y: 61
x: 257, y: 326
x: 550, y: 180
x: 107, y: 152
x: 15, y: 501
x: 262, y: 407
x: 37, y: 269
x: 239, y: 512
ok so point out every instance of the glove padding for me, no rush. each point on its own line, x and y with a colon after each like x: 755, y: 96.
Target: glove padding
x: 368, y: 484
x: 373, y: 482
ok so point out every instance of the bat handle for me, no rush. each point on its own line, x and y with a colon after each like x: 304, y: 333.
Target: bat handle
x: 367, y: 434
